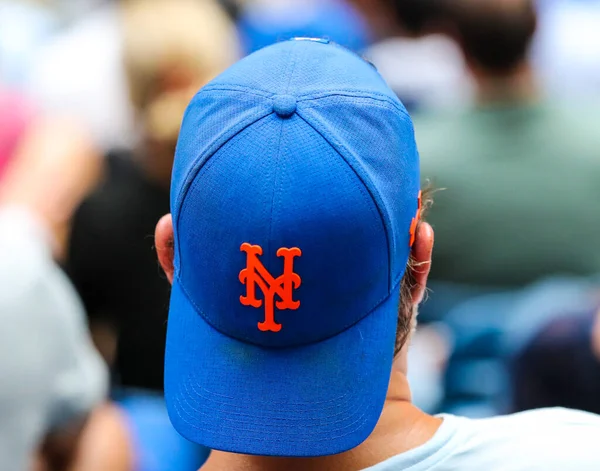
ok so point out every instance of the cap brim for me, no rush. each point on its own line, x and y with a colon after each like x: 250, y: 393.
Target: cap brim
x: 315, y: 400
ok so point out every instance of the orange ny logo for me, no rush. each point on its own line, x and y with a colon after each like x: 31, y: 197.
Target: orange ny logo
x: 255, y: 274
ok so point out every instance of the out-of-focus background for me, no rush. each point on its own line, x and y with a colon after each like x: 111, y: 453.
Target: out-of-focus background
x: 505, y: 96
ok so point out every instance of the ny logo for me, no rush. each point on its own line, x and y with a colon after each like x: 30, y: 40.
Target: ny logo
x: 255, y: 274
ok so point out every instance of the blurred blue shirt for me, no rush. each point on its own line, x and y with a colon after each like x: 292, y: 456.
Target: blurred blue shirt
x: 264, y: 23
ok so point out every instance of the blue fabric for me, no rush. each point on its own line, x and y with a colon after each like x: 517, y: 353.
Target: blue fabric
x: 262, y: 24
x: 321, y: 399
x: 490, y: 329
x: 299, y: 146
x: 158, y: 446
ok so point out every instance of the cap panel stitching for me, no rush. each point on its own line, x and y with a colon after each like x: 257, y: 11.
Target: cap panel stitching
x: 292, y: 59
x: 205, y: 160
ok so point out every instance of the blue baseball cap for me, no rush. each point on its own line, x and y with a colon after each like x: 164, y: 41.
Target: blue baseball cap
x: 294, y: 195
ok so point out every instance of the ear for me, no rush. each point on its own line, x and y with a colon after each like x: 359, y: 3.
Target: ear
x: 421, y: 255
x: 164, y: 243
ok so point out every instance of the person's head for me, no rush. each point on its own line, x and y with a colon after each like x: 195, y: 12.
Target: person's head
x: 295, y: 211
x: 494, y: 35
x: 401, y: 17
x: 417, y: 17
x: 171, y: 48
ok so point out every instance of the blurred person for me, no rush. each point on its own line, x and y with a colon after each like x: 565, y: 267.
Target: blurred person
x: 55, y: 156
x: 413, y: 37
x: 297, y: 262
x: 487, y: 332
x: 81, y: 71
x: 15, y: 117
x: 233, y: 7
x: 53, y: 382
x: 519, y: 171
x: 171, y: 49
x: 560, y: 364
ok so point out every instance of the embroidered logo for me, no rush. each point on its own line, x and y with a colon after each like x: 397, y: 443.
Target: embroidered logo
x: 255, y: 274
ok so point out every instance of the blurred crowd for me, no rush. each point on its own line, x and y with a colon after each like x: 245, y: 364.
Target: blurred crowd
x: 505, y: 97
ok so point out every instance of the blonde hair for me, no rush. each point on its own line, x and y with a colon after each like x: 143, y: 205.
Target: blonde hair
x: 171, y: 49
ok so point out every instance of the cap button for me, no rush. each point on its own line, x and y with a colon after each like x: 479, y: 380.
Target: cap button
x: 284, y: 105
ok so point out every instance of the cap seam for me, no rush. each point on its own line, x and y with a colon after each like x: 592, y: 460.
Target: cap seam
x: 374, y: 96
x: 392, y: 283
x: 237, y: 410
x: 271, y: 439
x: 375, y: 196
x: 385, y: 104
x: 204, y: 159
x: 302, y: 98
x: 230, y: 422
x: 293, y: 60
x: 189, y: 406
x: 275, y: 180
x: 237, y: 88
x: 214, y: 148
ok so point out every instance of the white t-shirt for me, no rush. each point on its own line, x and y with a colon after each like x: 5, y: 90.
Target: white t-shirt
x: 541, y: 440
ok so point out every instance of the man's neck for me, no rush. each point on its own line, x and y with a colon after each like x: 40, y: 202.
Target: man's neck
x: 401, y: 428
x: 518, y: 86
